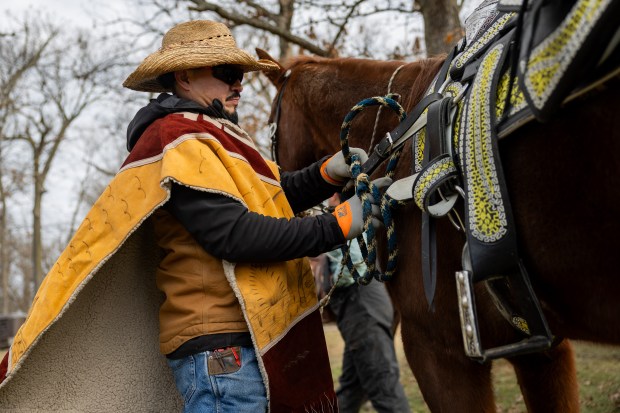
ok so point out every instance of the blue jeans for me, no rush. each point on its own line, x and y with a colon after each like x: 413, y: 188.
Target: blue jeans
x: 237, y: 392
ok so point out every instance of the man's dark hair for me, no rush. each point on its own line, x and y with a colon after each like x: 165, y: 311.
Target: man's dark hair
x: 167, y: 80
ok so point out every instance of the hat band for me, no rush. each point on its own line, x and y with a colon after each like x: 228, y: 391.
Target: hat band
x: 227, y: 41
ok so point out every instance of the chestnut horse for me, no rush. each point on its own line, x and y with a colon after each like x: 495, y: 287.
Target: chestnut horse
x: 560, y: 176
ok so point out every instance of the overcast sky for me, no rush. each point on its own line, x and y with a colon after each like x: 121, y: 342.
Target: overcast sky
x: 83, y: 13
x: 80, y: 12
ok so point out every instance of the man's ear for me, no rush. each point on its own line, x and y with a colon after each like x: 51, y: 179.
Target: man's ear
x: 182, y: 78
x: 272, y: 75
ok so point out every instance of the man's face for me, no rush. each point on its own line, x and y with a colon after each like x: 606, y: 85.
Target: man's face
x: 203, y: 87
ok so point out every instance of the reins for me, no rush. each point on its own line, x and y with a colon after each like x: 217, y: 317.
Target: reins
x: 273, y: 126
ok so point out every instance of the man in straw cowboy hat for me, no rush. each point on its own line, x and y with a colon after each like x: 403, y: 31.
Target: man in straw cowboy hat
x: 238, y: 319
x: 215, y: 321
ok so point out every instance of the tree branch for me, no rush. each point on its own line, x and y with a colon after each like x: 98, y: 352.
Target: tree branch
x: 341, y: 29
x: 202, y: 5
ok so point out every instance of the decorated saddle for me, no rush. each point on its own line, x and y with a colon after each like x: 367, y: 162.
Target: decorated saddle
x: 519, y: 61
x: 525, y: 60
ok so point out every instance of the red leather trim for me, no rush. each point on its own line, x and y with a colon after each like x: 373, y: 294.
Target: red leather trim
x: 166, y: 130
x: 4, y: 366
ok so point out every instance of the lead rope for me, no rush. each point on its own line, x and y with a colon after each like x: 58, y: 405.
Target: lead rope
x: 389, y: 91
x: 345, y: 258
x: 364, y: 189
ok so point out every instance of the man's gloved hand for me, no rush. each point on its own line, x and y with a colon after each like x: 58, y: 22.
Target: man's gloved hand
x: 336, y: 171
x: 350, y: 216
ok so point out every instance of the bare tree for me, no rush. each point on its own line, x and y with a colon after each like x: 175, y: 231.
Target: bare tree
x: 442, y: 27
x: 102, y: 164
x: 335, y: 19
x: 21, y: 50
x: 70, y: 75
x: 274, y: 20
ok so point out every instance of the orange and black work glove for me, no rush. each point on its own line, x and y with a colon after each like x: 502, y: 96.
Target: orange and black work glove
x: 336, y: 171
x: 350, y: 216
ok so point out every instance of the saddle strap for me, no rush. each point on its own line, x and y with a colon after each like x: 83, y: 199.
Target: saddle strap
x: 438, y: 138
x: 396, y: 138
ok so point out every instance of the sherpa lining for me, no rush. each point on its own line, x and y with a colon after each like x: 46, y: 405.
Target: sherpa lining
x: 102, y: 354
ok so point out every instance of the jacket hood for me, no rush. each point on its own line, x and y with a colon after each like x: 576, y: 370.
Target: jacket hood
x: 166, y: 104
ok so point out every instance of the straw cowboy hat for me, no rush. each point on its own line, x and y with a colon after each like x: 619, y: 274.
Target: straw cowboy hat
x: 190, y: 45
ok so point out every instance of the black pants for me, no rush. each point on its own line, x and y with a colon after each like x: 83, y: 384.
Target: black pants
x: 364, y: 315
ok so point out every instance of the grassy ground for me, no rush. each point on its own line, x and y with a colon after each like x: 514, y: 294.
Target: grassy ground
x: 598, y: 373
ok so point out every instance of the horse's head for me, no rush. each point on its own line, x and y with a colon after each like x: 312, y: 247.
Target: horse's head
x: 297, y: 140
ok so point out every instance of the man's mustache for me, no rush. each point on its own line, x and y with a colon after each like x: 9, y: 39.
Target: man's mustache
x: 234, y: 95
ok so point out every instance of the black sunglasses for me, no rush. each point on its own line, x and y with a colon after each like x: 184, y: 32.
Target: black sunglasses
x: 228, y: 74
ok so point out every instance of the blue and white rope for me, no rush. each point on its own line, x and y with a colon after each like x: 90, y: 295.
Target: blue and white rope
x: 364, y: 188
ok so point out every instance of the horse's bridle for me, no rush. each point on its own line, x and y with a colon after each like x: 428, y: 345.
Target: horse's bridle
x: 273, y: 126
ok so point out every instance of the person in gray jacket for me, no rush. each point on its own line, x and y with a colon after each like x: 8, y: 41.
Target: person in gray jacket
x: 365, y: 318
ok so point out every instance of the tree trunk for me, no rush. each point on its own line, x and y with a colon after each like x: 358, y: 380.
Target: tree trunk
x: 287, y: 8
x: 37, y: 241
x: 4, y: 248
x: 442, y: 27
x: 4, y: 257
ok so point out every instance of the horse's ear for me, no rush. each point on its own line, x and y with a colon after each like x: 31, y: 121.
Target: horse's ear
x: 272, y: 75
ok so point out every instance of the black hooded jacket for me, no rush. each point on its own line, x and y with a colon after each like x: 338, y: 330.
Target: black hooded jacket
x: 212, y: 218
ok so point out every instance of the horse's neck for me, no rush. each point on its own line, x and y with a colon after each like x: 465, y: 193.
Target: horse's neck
x: 327, y: 89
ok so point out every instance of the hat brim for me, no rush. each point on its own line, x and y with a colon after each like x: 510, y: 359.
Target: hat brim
x: 171, y: 59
